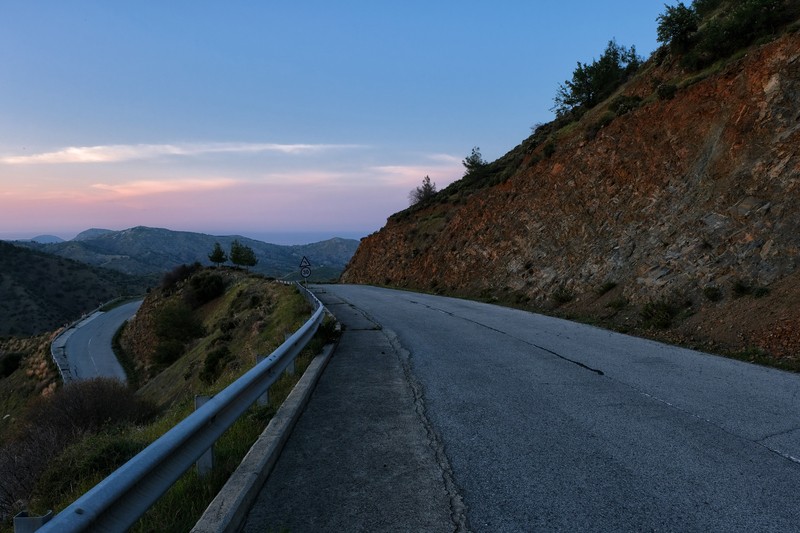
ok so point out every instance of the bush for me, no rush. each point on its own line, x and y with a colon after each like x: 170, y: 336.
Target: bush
x: 602, y: 122
x: 53, y: 423
x: 168, y: 351
x: 89, y: 405
x: 175, y: 321
x: 203, y: 288
x: 214, y: 364
x: 178, y: 274
x: 705, y: 7
x: 95, y: 457
x: 713, y: 293
x: 9, y: 363
x: 666, y: 91
x: 741, y: 288
x: 618, y: 303
x: 623, y: 104
x: 658, y: 314
x: 760, y: 292
x: 606, y: 287
x: 744, y: 23
x: 562, y: 295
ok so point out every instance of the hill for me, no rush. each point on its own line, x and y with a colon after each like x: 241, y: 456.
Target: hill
x: 193, y: 335
x: 41, y: 292
x: 142, y: 250
x: 671, y: 208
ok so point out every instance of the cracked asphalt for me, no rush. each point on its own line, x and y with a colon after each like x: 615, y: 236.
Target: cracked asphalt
x: 438, y: 414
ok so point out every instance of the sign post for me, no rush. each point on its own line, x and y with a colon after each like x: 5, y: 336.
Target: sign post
x: 305, y: 269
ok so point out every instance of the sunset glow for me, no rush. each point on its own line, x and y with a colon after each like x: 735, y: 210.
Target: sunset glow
x: 261, y: 118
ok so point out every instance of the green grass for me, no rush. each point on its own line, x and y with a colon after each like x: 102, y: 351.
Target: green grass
x: 253, y: 316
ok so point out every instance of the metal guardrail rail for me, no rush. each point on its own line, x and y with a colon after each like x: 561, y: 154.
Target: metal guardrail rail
x: 119, y: 500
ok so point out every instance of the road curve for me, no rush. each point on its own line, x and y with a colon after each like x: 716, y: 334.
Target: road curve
x: 550, y: 425
x: 88, y: 349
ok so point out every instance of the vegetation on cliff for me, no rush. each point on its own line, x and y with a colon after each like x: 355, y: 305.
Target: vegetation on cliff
x: 647, y: 211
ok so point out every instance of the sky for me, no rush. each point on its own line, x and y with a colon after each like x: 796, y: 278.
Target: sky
x: 289, y: 122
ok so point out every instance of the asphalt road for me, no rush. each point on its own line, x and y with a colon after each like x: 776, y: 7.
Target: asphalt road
x: 88, y: 348
x: 543, y: 425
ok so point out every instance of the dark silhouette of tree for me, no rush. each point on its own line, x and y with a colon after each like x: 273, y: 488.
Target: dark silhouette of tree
x: 218, y: 255
x: 242, y: 255
x: 474, y: 161
x: 676, y: 27
x: 423, y: 192
x: 593, y: 83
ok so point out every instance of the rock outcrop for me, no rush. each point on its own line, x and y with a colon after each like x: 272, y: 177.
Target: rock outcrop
x: 688, y: 197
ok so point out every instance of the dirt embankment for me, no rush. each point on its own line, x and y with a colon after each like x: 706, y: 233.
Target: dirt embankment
x: 686, y: 207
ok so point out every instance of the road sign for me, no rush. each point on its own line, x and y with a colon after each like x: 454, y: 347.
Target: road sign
x: 305, y: 267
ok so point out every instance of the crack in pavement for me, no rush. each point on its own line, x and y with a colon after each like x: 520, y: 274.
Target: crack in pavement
x: 458, y: 509
x: 529, y: 343
x: 758, y: 442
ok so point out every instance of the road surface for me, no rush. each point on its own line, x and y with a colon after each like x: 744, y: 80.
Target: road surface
x: 88, y: 348
x: 535, y: 424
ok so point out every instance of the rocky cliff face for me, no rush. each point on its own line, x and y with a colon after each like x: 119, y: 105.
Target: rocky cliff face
x: 686, y: 200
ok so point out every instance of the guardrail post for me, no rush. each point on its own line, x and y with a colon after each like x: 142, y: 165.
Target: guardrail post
x: 205, y: 463
x: 23, y: 523
x: 264, y: 398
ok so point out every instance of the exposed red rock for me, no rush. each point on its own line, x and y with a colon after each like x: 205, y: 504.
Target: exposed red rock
x: 667, y: 201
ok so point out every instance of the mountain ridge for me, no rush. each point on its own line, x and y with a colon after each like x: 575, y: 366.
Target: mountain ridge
x: 143, y: 250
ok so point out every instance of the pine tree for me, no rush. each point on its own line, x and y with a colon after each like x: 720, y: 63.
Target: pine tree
x: 218, y: 255
x: 425, y: 191
x: 242, y: 255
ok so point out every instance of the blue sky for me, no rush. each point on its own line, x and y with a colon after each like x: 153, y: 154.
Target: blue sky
x: 272, y: 118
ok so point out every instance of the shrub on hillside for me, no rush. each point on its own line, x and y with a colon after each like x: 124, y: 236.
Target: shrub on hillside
x: 739, y: 25
x: 623, y: 104
x: 9, y: 363
x: 203, y: 288
x: 666, y: 91
x: 214, y: 364
x: 178, y: 274
x: 53, y: 423
x: 96, y: 456
x: 168, y: 351
x: 660, y: 314
x: 713, y: 293
x: 175, y: 321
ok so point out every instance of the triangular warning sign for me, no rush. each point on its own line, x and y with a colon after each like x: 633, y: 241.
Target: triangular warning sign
x: 304, y: 262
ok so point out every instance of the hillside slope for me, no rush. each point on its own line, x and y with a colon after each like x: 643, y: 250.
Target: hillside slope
x: 143, y: 250
x: 40, y: 292
x: 684, y: 205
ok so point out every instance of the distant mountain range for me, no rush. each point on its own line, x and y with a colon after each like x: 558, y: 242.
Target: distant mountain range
x: 146, y: 251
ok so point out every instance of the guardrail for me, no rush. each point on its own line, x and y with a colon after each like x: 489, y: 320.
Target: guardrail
x: 119, y: 500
